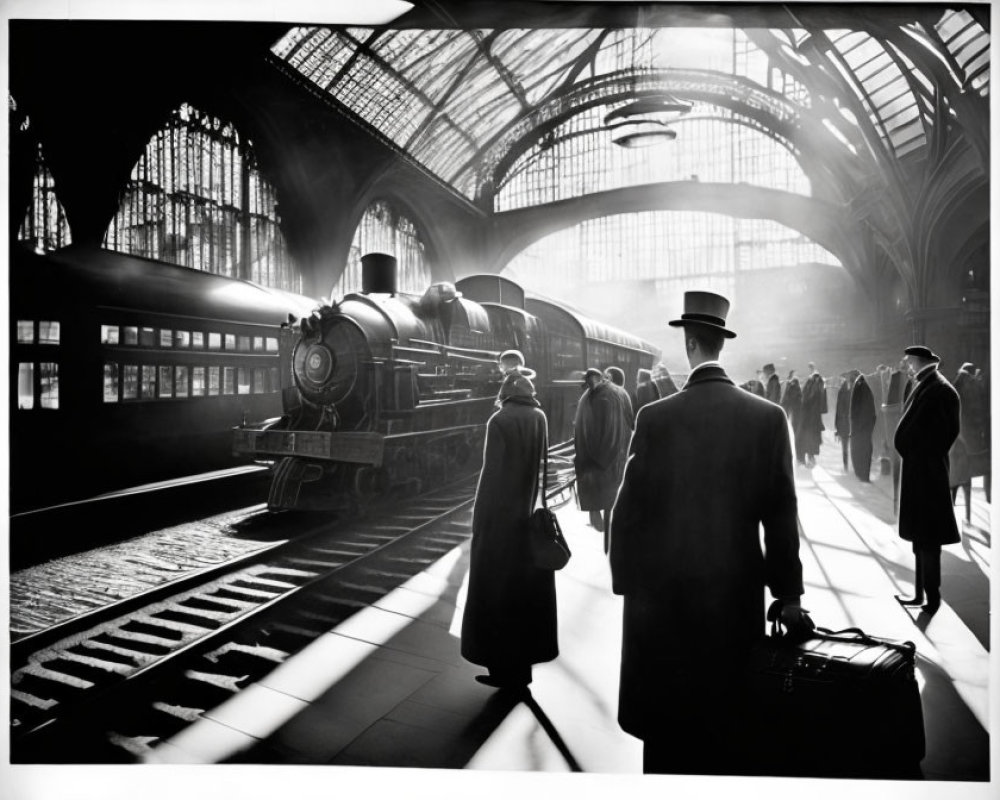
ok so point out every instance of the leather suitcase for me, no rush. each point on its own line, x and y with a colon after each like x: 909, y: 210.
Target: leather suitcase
x: 841, y: 704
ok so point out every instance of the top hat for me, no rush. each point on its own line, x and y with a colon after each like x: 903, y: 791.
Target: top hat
x: 920, y: 351
x: 768, y: 368
x: 705, y: 308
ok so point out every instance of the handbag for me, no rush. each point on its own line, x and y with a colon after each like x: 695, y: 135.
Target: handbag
x: 549, y: 549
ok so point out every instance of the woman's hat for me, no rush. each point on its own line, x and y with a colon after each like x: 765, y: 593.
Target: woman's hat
x: 920, y: 351
x: 516, y: 385
x: 707, y: 309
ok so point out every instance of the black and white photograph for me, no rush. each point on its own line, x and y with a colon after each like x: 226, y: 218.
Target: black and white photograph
x: 449, y: 398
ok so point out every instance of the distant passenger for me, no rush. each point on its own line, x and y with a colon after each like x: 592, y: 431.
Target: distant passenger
x: 772, y: 385
x: 616, y: 380
x: 510, y: 610
x: 791, y: 401
x: 969, y: 455
x: 645, y: 391
x: 862, y: 428
x: 706, y: 467
x: 601, y: 432
x: 511, y: 362
x: 809, y: 434
x: 926, y: 432
x: 842, y: 416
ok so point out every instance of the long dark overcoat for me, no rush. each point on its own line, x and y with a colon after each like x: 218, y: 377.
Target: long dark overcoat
x: 969, y: 455
x: 862, y: 427
x: 926, y: 431
x: 706, y: 467
x: 601, y: 434
x: 809, y: 433
x: 791, y: 401
x: 772, y: 389
x: 510, y: 609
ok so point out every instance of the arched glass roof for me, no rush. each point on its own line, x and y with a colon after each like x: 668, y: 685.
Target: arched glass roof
x: 456, y: 101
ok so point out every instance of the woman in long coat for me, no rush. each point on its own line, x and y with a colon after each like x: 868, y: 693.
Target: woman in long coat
x: 809, y: 434
x: 510, y: 610
x: 863, y: 417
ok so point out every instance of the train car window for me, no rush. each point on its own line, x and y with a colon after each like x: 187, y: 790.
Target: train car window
x: 110, y: 382
x: 147, y: 337
x: 259, y: 380
x: 26, y: 331
x: 197, y: 339
x: 147, y: 386
x: 181, y: 381
x: 182, y: 339
x: 130, y: 382
x: 228, y: 380
x: 197, y: 381
x: 258, y: 343
x: 275, y: 383
x: 131, y: 334
x: 166, y: 338
x: 272, y: 344
x: 109, y: 334
x: 243, y: 344
x: 230, y: 341
x: 214, y: 341
x: 166, y: 382
x: 48, y: 374
x: 48, y: 332
x: 213, y: 380
x: 242, y: 381
x: 25, y: 386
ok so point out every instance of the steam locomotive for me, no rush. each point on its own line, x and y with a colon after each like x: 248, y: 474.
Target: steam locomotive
x: 390, y: 392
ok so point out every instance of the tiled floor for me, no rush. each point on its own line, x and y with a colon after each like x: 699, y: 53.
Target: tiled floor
x: 388, y: 687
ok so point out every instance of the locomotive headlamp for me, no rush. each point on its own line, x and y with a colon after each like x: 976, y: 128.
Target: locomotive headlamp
x: 319, y: 364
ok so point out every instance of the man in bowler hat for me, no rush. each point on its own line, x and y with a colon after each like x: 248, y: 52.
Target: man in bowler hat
x: 925, y: 433
x: 706, y: 467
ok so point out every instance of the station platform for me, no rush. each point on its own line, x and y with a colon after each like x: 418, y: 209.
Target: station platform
x: 388, y: 687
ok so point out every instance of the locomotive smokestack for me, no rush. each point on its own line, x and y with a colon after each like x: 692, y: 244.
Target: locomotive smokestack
x: 378, y: 273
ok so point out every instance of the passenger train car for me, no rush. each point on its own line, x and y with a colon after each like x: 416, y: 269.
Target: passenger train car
x: 125, y: 370
x: 391, y: 391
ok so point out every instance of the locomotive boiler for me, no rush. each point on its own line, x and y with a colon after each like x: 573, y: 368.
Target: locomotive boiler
x: 389, y: 392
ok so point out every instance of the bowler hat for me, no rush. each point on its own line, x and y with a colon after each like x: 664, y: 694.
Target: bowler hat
x: 768, y: 368
x: 707, y: 309
x: 920, y: 351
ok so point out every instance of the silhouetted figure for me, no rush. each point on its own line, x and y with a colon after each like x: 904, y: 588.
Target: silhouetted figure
x: 706, y: 467
x: 791, y: 401
x: 969, y: 455
x: 926, y: 432
x: 842, y: 418
x: 862, y: 428
x: 509, y: 621
x: 616, y: 380
x: 809, y: 434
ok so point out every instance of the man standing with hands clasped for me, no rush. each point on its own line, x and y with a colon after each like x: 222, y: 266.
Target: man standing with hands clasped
x: 924, y: 435
x: 706, y: 467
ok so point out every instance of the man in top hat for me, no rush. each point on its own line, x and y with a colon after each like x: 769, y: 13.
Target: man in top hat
x: 601, y: 430
x: 924, y: 435
x: 706, y: 467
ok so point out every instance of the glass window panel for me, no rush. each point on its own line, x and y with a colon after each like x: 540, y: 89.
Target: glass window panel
x: 147, y: 386
x: 48, y: 374
x: 214, y: 341
x: 110, y: 382
x: 197, y: 381
x: 48, y: 332
x: 181, y: 381
x: 166, y: 338
x: 242, y: 380
x: 147, y: 337
x: 258, y: 343
x: 275, y: 383
x: 25, y: 385
x: 230, y: 341
x: 45, y: 225
x: 131, y: 334
x: 26, y: 331
x: 228, y: 380
x: 213, y: 380
x: 166, y: 382
x: 259, y: 380
x: 197, y: 339
x: 109, y: 334
x: 130, y: 382
x: 243, y: 344
x: 272, y: 344
x: 182, y: 339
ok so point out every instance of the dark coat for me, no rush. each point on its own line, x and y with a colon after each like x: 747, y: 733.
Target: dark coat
x: 601, y: 433
x: 842, y: 415
x: 772, y: 389
x: 969, y: 455
x: 510, y: 610
x: 809, y: 432
x: 791, y: 401
x: 705, y: 468
x: 926, y: 431
x: 862, y: 427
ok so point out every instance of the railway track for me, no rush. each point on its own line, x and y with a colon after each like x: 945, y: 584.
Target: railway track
x: 110, y: 689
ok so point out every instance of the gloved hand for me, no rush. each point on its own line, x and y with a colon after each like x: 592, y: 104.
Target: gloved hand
x: 796, y: 621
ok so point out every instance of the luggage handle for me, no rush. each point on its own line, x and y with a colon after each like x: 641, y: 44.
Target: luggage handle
x: 847, y: 635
